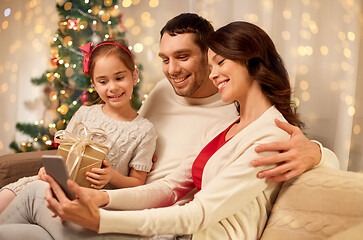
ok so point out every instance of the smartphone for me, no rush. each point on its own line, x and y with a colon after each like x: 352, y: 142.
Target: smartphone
x: 55, y: 167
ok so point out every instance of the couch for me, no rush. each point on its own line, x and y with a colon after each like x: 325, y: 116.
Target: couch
x: 319, y: 204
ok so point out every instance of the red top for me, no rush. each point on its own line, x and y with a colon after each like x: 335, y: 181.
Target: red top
x: 206, y: 153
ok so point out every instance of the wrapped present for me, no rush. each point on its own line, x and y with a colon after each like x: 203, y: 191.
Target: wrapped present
x: 81, y: 152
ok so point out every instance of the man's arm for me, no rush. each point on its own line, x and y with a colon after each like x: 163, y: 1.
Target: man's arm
x: 296, y: 156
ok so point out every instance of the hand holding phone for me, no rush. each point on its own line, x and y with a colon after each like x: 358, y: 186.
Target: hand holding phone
x: 55, y: 167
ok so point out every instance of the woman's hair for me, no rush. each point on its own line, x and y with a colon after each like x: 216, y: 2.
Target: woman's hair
x: 189, y: 23
x: 250, y: 45
x: 103, y: 49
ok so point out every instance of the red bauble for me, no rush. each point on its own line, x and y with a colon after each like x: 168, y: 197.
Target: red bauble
x: 84, y: 97
x: 73, y: 24
x: 54, y: 145
x: 54, y: 62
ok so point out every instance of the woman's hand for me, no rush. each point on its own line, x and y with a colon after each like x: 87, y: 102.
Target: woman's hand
x: 99, y: 177
x: 41, y: 174
x: 83, y: 210
x: 296, y: 156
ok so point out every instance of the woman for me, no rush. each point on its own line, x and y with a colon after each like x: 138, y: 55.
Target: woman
x: 231, y: 202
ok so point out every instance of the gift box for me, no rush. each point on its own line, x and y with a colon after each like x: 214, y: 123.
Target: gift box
x: 81, y: 154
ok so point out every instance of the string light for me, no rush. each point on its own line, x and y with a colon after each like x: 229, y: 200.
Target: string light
x: 7, y: 12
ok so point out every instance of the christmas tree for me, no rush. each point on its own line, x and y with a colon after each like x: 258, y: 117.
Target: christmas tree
x: 66, y: 87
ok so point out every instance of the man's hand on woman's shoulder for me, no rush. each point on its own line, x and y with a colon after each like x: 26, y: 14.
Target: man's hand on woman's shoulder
x: 295, y: 156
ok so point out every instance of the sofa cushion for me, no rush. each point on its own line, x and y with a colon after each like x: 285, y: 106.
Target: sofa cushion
x: 17, y: 165
x: 317, y: 205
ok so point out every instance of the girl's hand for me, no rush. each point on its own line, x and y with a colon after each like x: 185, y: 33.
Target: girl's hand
x: 99, y: 177
x: 41, y: 174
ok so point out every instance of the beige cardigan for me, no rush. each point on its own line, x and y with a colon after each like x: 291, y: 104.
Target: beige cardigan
x: 233, y: 202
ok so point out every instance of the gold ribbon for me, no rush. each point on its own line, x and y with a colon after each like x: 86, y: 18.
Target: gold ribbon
x: 79, y: 139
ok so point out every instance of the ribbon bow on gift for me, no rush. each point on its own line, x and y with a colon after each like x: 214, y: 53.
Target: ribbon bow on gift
x: 79, y: 139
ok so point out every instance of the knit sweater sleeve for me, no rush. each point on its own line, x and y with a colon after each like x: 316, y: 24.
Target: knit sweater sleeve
x: 328, y: 158
x: 159, y: 194
x: 142, y: 156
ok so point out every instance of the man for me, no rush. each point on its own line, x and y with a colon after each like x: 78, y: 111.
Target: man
x: 181, y: 111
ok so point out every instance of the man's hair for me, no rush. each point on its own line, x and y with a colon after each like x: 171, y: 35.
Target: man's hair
x: 189, y: 23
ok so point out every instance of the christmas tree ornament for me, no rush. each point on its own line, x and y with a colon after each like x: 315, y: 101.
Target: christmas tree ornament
x: 23, y: 146
x: 54, y: 62
x: 67, y: 6
x: 60, y: 125
x: 53, y: 96
x: 84, y: 97
x: 52, y: 130
x: 62, y: 26
x: 73, y: 24
x: 69, y: 72
x: 54, y: 51
x: 96, y: 39
x: 45, y: 138
x: 108, y: 3
x: 63, y: 109
x: 96, y: 9
x: 83, y: 25
x: 105, y: 17
x: 67, y: 39
x: 50, y: 77
x: 115, y: 12
x: 53, y: 144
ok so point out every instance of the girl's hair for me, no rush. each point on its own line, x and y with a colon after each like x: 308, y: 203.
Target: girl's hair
x: 250, y: 45
x: 103, y: 49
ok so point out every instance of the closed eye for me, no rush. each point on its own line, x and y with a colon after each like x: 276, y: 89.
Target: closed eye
x: 221, y: 62
x: 183, y: 57
x: 101, y: 81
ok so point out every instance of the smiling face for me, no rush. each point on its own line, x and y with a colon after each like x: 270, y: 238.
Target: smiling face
x: 230, y: 77
x: 113, y: 82
x: 185, y: 66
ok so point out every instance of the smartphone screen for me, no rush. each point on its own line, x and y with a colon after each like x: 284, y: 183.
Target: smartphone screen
x: 55, y: 167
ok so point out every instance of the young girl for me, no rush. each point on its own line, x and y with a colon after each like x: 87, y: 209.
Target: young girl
x: 132, y: 139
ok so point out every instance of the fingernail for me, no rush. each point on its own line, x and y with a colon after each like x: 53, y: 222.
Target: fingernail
x: 254, y: 163
x: 260, y: 175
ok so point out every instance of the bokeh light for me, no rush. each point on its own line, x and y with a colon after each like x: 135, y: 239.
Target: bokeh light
x: 324, y: 50
x: 287, y: 14
x: 126, y: 3
x: 138, y: 47
x: 356, y: 129
x: 7, y: 12
x: 153, y: 3
x: 351, y: 111
x: 286, y: 35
